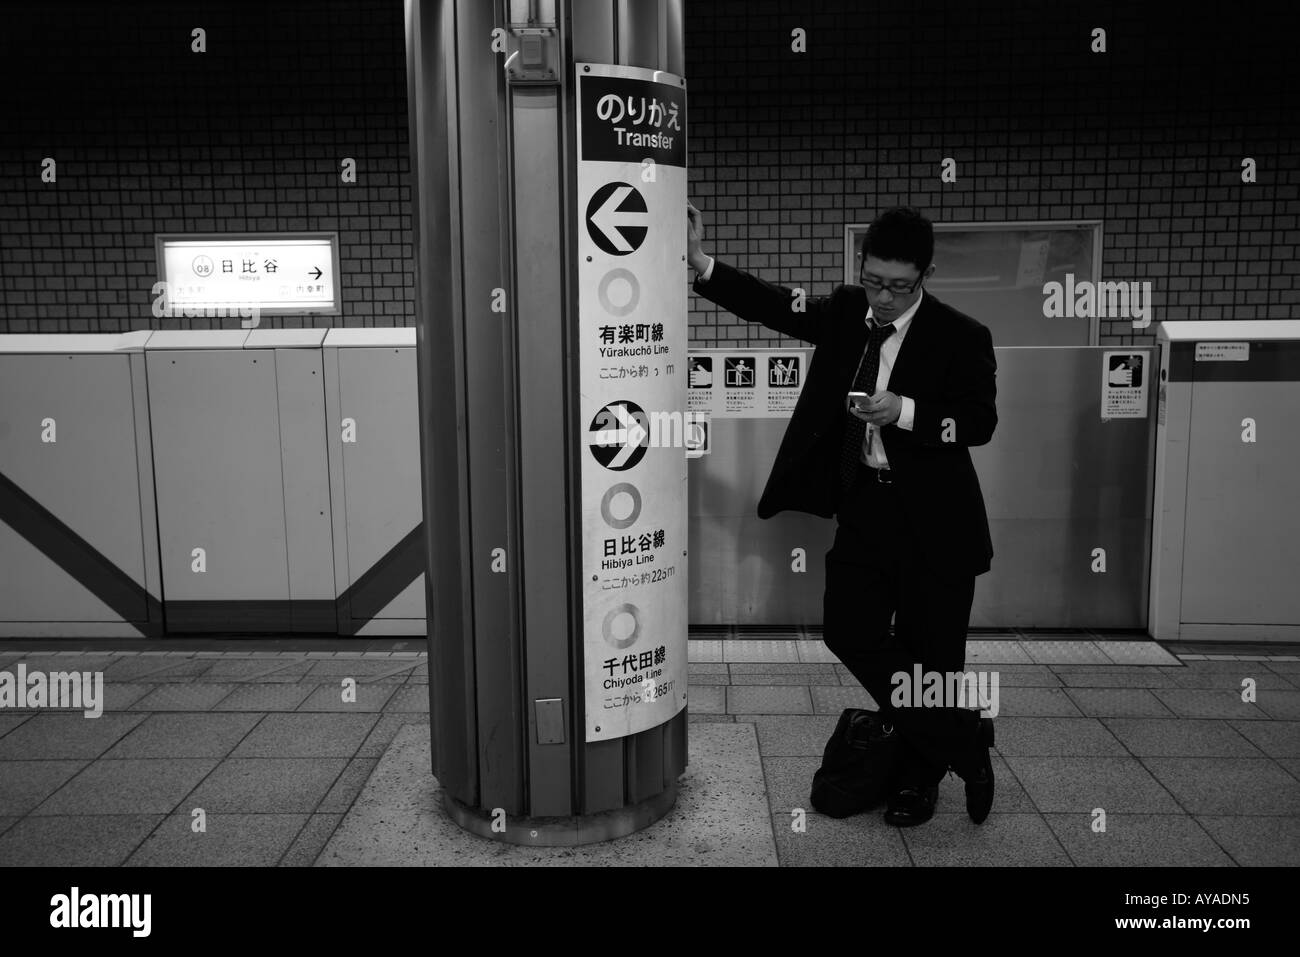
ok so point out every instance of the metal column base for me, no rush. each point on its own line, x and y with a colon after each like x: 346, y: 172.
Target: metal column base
x: 563, y: 831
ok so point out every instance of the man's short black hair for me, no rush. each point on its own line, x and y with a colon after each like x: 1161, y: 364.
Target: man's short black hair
x: 901, y: 234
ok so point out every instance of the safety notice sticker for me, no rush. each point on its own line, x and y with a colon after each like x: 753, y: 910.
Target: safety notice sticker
x: 1123, y: 385
x: 631, y: 219
x: 1222, y: 352
x: 746, y: 383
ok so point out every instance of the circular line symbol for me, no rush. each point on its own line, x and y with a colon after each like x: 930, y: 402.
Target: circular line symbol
x: 625, y: 488
x: 616, y: 218
x: 603, y: 292
x: 609, y: 620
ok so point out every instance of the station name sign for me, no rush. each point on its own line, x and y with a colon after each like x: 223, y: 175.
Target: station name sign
x: 272, y: 273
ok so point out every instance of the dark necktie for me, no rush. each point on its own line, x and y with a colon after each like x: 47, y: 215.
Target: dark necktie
x: 855, y: 429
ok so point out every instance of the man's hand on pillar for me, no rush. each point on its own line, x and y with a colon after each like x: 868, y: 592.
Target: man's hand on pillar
x: 695, y: 254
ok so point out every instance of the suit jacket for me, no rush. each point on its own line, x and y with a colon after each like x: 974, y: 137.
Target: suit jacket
x: 946, y: 365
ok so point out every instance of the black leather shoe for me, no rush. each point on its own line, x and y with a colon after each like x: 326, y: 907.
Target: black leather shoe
x: 911, y: 806
x: 979, y: 783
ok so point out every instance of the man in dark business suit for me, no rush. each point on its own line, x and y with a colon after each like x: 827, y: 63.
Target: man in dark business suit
x: 896, y: 473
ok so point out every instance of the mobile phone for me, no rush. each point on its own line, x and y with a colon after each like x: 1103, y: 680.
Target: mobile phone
x: 858, y: 399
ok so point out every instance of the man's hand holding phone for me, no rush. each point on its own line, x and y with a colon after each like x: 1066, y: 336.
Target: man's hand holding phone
x: 882, y: 408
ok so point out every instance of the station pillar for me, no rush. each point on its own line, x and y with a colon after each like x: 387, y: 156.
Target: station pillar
x: 548, y: 195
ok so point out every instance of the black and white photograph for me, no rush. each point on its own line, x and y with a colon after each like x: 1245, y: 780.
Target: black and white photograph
x: 647, y: 434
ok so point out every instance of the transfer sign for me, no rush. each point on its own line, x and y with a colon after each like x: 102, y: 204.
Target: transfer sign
x: 631, y: 219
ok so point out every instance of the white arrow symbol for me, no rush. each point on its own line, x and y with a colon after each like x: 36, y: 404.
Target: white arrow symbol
x: 607, y: 218
x: 631, y: 435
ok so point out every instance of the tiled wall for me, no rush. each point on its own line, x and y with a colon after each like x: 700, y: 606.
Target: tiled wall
x: 150, y: 137
x: 785, y: 147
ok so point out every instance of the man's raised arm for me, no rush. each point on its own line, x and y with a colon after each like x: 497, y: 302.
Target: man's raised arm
x: 790, y: 312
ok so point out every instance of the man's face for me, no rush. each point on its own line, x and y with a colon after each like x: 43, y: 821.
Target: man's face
x: 878, y: 275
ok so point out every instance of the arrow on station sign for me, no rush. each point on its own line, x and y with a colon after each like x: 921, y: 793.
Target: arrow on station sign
x: 317, y: 275
x: 617, y: 218
x: 623, y: 446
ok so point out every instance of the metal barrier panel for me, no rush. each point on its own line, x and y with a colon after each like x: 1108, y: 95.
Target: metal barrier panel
x: 1241, y: 557
x: 251, y: 511
x: 1226, y: 534
x: 300, y: 396
x: 1068, y: 496
x: 745, y: 570
x: 239, y: 455
x: 1058, y: 483
x: 221, y: 521
x: 77, y: 543
x: 373, y: 436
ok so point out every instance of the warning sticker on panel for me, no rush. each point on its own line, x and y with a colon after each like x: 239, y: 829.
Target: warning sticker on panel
x: 1223, y: 352
x: 1123, y: 385
x: 746, y: 383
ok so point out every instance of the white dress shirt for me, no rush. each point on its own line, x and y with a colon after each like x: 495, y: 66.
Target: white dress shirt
x: 873, y: 448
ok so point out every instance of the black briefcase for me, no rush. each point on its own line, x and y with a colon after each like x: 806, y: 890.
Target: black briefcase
x: 859, y: 766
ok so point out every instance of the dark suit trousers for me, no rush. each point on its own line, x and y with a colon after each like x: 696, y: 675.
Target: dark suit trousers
x: 874, y: 572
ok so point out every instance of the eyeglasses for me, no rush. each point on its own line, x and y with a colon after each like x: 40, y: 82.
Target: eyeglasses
x: 899, y: 287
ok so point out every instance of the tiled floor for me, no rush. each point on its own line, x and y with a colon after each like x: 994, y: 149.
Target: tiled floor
x: 1109, y: 752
